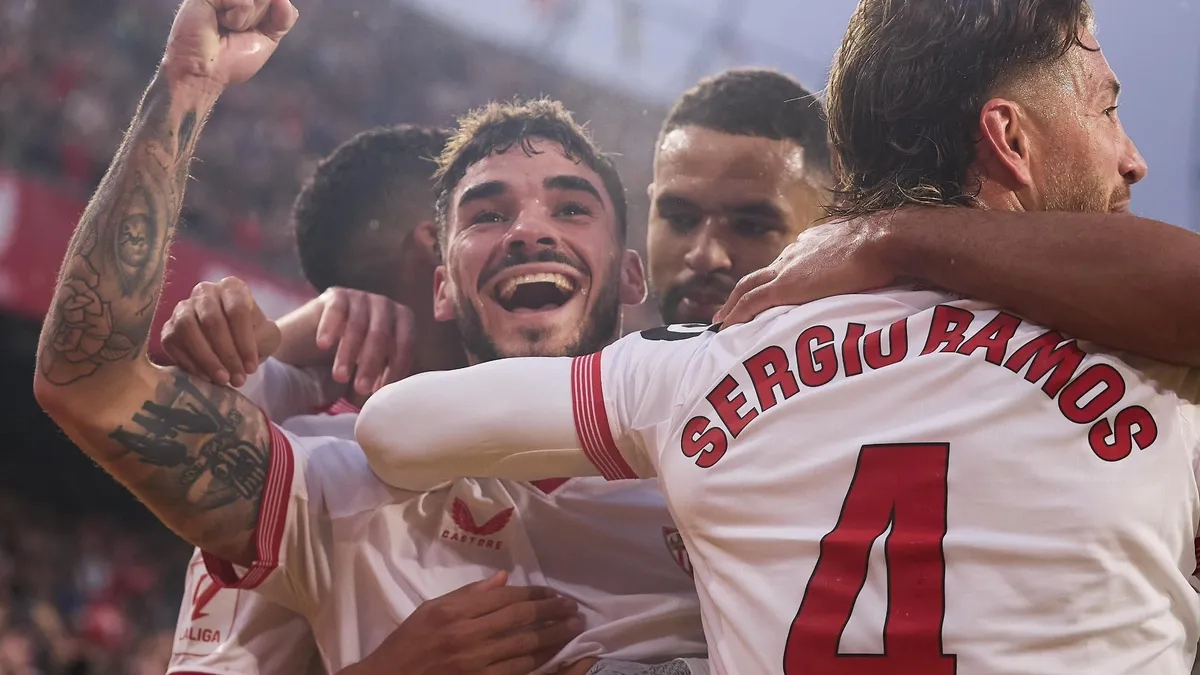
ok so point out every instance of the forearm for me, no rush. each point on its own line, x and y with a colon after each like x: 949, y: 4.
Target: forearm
x: 196, y: 454
x: 95, y: 334
x: 1119, y: 280
x: 298, y: 337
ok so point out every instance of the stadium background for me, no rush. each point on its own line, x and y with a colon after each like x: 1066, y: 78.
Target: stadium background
x: 88, y: 582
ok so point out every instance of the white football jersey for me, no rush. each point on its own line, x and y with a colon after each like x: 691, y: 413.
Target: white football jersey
x: 613, y: 547
x: 227, y: 631
x: 909, y: 483
x: 356, y: 557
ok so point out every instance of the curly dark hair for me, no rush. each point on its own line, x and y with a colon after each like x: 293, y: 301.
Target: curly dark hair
x: 908, y: 84
x: 497, y: 127
x: 381, y: 178
x: 755, y: 102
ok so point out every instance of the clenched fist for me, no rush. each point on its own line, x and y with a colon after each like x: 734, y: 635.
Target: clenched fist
x: 216, y: 43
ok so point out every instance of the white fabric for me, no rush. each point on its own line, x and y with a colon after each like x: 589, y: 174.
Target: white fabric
x: 227, y: 631
x: 541, y: 444
x: 284, y: 391
x: 355, y: 557
x: 1060, y: 554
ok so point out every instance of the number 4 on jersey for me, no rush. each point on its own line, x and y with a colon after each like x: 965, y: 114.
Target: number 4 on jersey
x: 904, y: 485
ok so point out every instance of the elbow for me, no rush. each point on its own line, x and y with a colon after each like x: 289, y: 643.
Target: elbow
x: 401, y: 445
x: 57, y: 401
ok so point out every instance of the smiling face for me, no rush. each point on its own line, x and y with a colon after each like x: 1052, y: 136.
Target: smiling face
x: 533, y: 265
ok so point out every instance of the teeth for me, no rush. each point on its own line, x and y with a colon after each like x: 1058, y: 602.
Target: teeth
x: 509, y: 286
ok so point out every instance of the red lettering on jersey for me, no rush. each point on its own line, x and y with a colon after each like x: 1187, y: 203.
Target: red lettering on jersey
x: 769, y: 369
x: 727, y: 408
x: 993, y: 337
x: 1098, y: 375
x: 1048, y: 353
x: 701, y: 439
x: 850, y: 345
x: 818, y: 365
x: 948, y: 328
x: 897, y: 346
x: 1123, y: 436
x: 479, y: 542
x: 203, y: 635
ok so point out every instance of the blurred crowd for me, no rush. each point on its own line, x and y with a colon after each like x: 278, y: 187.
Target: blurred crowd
x: 85, y: 595
x: 71, y: 74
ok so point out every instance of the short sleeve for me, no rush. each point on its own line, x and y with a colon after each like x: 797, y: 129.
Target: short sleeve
x: 283, y: 390
x: 291, y: 565
x: 625, y: 395
x: 225, y: 631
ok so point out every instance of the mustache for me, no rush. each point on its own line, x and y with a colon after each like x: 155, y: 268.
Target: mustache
x: 715, y: 284
x: 522, y: 256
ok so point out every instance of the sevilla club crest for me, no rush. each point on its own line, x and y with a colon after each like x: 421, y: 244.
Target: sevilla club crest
x: 677, y: 550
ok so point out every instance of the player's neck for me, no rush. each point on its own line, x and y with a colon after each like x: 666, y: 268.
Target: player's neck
x: 438, y: 348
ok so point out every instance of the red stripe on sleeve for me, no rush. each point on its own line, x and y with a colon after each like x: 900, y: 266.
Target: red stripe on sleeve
x: 272, y: 519
x: 591, y: 419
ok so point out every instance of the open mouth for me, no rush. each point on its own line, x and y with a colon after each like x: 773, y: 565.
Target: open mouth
x: 537, y: 292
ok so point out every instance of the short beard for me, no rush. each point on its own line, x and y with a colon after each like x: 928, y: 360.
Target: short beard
x: 599, y: 329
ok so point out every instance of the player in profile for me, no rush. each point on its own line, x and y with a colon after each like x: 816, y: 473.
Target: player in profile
x: 741, y: 167
x: 267, y: 505
x: 903, y: 481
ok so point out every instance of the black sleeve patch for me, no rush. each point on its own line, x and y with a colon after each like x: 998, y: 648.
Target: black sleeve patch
x: 678, y: 331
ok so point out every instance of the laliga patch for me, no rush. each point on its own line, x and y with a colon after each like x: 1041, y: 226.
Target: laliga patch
x: 208, y: 615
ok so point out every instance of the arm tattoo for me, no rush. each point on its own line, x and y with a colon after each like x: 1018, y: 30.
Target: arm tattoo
x: 207, y: 441
x: 197, y: 454
x: 114, y: 266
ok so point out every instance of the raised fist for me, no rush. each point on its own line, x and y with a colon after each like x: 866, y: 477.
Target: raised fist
x: 216, y: 43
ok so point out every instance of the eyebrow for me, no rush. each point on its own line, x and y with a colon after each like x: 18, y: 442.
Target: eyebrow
x: 666, y: 201
x: 574, y: 183
x: 486, y: 190
x: 757, y: 210
x: 1116, y: 89
x: 760, y: 209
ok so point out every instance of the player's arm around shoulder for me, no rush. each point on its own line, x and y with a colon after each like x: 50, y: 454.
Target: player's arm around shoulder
x: 510, y: 418
x: 527, y: 418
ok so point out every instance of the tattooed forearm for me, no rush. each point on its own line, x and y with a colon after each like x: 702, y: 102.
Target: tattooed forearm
x: 113, y: 270
x: 204, y: 452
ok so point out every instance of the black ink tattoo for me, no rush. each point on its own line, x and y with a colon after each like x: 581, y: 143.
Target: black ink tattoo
x: 103, y: 308
x: 227, y: 466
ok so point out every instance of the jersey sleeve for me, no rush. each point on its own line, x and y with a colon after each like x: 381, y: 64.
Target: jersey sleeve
x: 291, y: 565
x: 624, y: 396
x: 225, y: 631
x: 525, y: 418
x: 510, y: 418
x: 283, y: 390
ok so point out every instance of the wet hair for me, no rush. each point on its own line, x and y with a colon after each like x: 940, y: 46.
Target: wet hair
x: 908, y: 84
x: 498, y: 127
